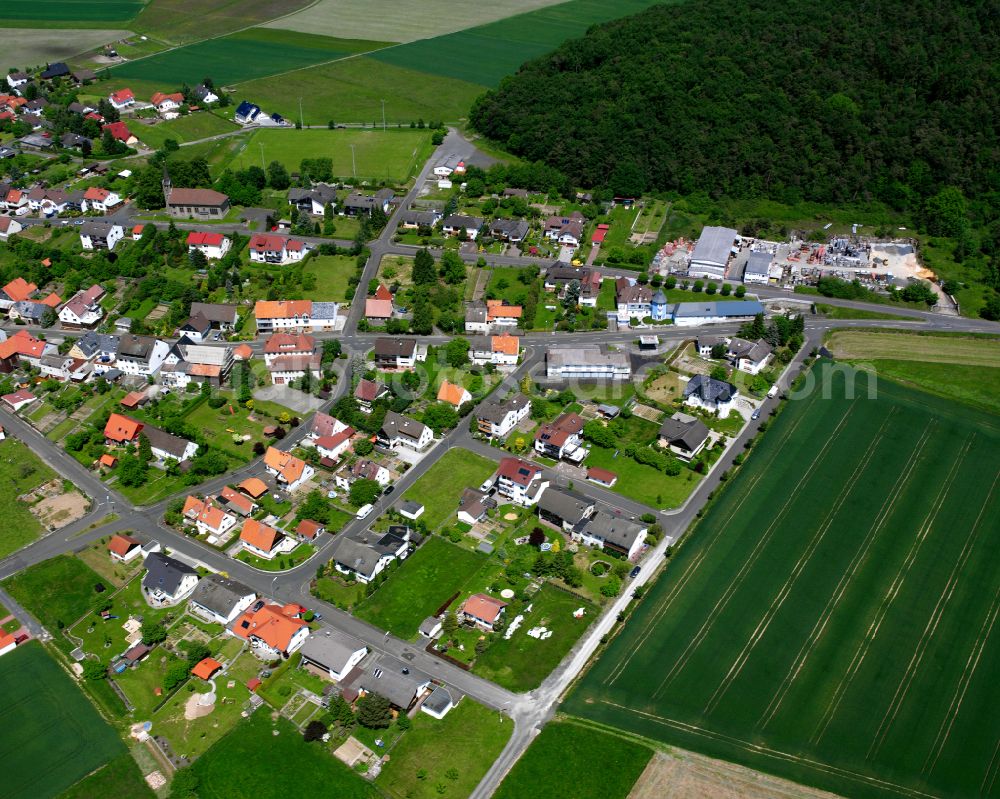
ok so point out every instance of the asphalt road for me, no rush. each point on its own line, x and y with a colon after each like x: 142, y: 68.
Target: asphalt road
x: 528, y: 711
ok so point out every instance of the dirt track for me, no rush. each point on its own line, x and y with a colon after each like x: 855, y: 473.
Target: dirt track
x: 686, y: 775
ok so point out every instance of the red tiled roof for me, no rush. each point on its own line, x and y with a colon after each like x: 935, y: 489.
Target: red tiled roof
x: 206, y: 668
x: 259, y: 535
x: 271, y: 625
x: 382, y: 293
x: 307, y: 528
x: 288, y: 343
x: 244, y: 352
x: 122, y: 96
x: 378, y: 309
x: 121, y: 545
x: 20, y: 289
x: 198, y: 238
x: 483, y: 606
x: 121, y: 428
x: 119, y: 131
x: 518, y: 471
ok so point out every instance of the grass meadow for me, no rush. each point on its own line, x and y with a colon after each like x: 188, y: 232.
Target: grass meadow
x: 570, y: 759
x: 440, y: 489
x: 829, y: 619
x: 241, y: 56
x: 200, y: 125
x: 59, y: 590
x: 178, y: 21
x: 50, y: 735
x: 20, y: 471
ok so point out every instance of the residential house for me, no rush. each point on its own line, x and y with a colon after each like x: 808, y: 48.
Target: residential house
x: 96, y: 347
x: 520, y: 481
x: 124, y: 548
x: 207, y: 517
x: 48, y: 202
x: 362, y: 469
x: 235, y: 502
x: 705, y: 344
x: 633, y: 301
x: 689, y: 314
x: 331, y: 447
x: 457, y: 224
x: 497, y: 418
x: 706, y: 392
x: 268, y: 248
x: 377, y: 311
x: 22, y: 347
x: 97, y: 234
x: 83, y: 309
x: 394, y: 679
x: 292, y: 472
x: 17, y: 290
x: 273, y: 631
x: 415, y: 220
x: 18, y: 399
x: 448, y: 165
x: 65, y: 368
x: 453, y: 394
x: 357, y: 204
x: 565, y: 509
x: 683, y: 435
x: 205, y: 95
x: 187, y: 362
x: 121, y: 99
x: 712, y: 252
x: 140, y: 355
x: 9, y: 227
x: 212, y: 245
x: 29, y: 312
x: 402, y: 431
x: 208, y: 316
x: 121, y: 429
x: 74, y: 141
x: 119, y: 132
x: 334, y: 652
x: 264, y: 541
x: 313, y: 201
x: 474, y: 506
x: 502, y: 350
x: 748, y: 356
x: 366, y: 555
x: 220, y: 599
x: 100, y: 200
x: 166, y: 446
x: 18, y: 79
x: 324, y: 425
x: 368, y: 393
x: 495, y: 313
x: 309, y: 530
x: 758, y: 268
x: 167, y: 581
x: 398, y: 353
x: 566, y: 230
x: 298, y: 316
x: 482, y: 610
x: 167, y: 103
x: 513, y: 231
x: 588, y: 362
x: 561, y: 438
x: 246, y: 113
x: 614, y: 533
x: 195, y: 203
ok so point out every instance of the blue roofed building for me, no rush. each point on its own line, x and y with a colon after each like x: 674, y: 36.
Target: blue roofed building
x: 689, y: 314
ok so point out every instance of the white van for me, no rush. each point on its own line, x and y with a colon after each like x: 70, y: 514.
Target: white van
x: 773, y: 392
x: 364, y: 510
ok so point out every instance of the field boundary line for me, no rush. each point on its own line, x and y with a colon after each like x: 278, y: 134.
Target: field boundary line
x: 931, y: 627
x: 860, y: 556
x: 751, y: 561
x: 888, y: 599
x: 988, y: 781
x: 777, y: 754
x: 667, y: 601
x: 968, y: 673
x: 779, y: 600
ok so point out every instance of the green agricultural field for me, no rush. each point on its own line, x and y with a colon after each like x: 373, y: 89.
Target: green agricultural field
x: 67, y: 13
x: 352, y: 90
x: 392, y: 156
x: 55, y: 591
x: 178, y: 21
x: 200, y: 125
x: 121, y: 777
x: 419, y: 586
x: 487, y: 53
x: 829, y: 620
x: 235, y: 769
x: 50, y: 735
x: 20, y: 471
x: 569, y: 759
x: 253, y: 53
x: 468, y: 739
x: 521, y: 662
x: 440, y: 489
x: 26, y: 48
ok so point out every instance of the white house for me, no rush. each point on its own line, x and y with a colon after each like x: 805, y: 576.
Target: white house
x: 207, y: 517
x: 124, y: 548
x: 266, y: 248
x: 520, y: 481
x: 336, y: 444
x: 587, y: 363
x: 100, y: 199
x: 333, y: 652
x: 748, y: 356
x: 561, y: 438
x: 370, y: 553
x: 212, y: 245
x: 711, y: 394
x: 9, y: 227
x: 140, y: 355
x: 273, y: 631
x: 362, y: 470
x: 166, y: 103
x: 457, y: 223
x: 634, y: 301
x: 96, y: 234
x: 501, y: 350
x: 615, y: 533
x: 293, y: 472
x: 83, y: 309
x: 399, y: 353
x: 402, y: 431
x: 219, y: 599
x: 497, y: 419
x: 264, y: 541
x: 453, y: 394
x: 166, y: 446
x: 121, y: 99
x: 167, y: 581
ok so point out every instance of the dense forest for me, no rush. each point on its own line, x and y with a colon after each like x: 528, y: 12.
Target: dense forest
x: 805, y: 100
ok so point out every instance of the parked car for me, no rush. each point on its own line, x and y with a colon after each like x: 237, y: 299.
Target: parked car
x: 364, y: 511
x: 756, y: 414
x: 635, y: 572
x: 389, y: 489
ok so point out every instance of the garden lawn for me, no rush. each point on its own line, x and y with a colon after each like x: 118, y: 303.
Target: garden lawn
x: 336, y: 592
x: 644, y: 483
x: 290, y: 560
x: 121, y: 777
x: 468, y: 739
x: 235, y: 769
x: 241, y: 56
x: 840, y: 312
x: 419, y: 586
x: 199, y: 125
x: 392, y: 156
x: 215, y: 424
x: 521, y: 662
x: 51, y: 736
x: 20, y: 471
x: 504, y: 284
x: 332, y: 273
x: 569, y: 759
x: 829, y: 618
x: 57, y: 591
x: 440, y: 489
